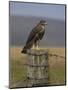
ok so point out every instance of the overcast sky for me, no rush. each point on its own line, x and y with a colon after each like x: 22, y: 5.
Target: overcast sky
x: 33, y: 9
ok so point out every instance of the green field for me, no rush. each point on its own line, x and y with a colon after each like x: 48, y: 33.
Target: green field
x: 18, y: 70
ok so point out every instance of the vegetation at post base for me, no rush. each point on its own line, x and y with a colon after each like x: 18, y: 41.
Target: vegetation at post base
x: 18, y: 70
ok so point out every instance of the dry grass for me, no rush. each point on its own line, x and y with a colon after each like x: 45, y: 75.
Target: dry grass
x: 56, y: 65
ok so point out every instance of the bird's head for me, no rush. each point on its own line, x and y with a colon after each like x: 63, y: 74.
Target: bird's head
x: 43, y: 22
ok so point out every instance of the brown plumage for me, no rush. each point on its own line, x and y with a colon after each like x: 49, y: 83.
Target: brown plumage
x: 35, y: 35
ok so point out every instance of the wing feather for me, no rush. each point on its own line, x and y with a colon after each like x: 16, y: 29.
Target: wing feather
x: 31, y: 36
x: 33, y: 33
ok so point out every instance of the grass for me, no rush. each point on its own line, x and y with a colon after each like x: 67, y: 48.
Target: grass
x: 17, y: 69
x: 57, y: 76
x: 56, y: 66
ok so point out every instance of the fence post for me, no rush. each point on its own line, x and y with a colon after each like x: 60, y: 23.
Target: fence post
x: 37, y: 67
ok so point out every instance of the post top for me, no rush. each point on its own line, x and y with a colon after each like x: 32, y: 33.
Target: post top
x: 37, y: 52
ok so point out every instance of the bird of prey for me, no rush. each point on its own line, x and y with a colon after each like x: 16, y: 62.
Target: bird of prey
x: 35, y: 36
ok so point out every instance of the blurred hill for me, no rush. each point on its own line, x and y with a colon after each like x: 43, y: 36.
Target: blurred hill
x: 20, y: 27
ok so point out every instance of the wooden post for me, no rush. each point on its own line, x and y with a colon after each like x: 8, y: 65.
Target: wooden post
x: 37, y: 67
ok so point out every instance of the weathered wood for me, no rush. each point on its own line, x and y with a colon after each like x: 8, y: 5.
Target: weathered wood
x: 37, y: 66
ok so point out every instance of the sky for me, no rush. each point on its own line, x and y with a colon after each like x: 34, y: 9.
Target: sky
x: 38, y: 10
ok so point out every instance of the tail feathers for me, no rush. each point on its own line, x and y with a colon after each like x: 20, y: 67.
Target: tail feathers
x: 24, y: 50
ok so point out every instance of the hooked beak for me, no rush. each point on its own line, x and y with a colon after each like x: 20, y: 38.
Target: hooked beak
x: 45, y: 23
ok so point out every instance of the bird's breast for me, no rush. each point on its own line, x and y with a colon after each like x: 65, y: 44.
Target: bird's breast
x: 43, y: 27
x: 41, y: 33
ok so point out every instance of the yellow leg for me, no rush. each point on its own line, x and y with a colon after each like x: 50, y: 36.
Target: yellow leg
x: 37, y: 47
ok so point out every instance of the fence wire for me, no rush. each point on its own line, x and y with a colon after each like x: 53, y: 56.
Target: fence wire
x: 55, y: 55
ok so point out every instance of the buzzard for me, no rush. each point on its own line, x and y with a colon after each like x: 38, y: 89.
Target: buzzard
x: 35, y: 36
